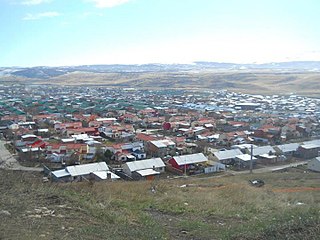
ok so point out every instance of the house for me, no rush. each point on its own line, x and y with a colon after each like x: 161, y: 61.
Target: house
x: 161, y: 148
x: 265, y: 154
x: 80, y: 172
x: 288, y: 150
x: 144, y: 169
x: 308, y: 151
x: 243, y: 160
x: 87, y: 130
x: 188, y: 163
x: 314, y: 164
x: 214, y: 167
x: 227, y: 156
x: 259, y: 151
x: 69, y: 125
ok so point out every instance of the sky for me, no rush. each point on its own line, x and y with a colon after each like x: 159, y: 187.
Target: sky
x: 85, y: 32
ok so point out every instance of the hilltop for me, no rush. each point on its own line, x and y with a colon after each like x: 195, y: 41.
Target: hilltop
x: 186, y: 208
x: 278, y: 78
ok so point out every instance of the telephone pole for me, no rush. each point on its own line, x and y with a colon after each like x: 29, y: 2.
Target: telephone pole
x: 251, y: 158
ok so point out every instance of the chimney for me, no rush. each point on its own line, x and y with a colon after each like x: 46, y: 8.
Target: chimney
x: 108, y: 175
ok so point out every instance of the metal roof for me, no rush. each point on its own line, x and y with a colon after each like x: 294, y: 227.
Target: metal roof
x: 85, y: 169
x: 313, y: 142
x: 245, y: 157
x: 190, y: 159
x: 290, y: 147
x: 103, y: 175
x: 262, y: 150
x: 145, y: 164
x: 163, y: 143
x: 227, y: 154
x: 61, y: 173
x: 147, y: 172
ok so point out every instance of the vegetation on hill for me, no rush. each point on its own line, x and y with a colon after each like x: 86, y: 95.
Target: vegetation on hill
x: 192, y: 208
x: 253, y: 81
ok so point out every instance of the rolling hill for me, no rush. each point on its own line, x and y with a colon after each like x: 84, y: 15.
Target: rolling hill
x: 279, y: 78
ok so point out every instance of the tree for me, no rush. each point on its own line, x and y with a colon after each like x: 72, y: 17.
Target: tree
x: 108, y: 155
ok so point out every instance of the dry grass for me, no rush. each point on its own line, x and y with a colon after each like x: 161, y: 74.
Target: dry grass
x: 216, y: 208
x: 263, y: 81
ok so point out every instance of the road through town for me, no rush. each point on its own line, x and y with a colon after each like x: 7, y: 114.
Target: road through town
x: 8, y: 162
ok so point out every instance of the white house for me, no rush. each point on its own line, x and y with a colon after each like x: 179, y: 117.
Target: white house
x: 155, y: 164
x: 314, y: 164
x: 77, y: 172
x: 227, y: 156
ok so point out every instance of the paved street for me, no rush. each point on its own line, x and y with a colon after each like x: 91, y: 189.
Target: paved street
x: 7, y: 161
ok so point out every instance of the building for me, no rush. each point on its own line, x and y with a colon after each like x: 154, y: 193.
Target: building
x: 227, y: 156
x: 99, y: 170
x: 314, y: 164
x: 288, y: 150
x: 161, y: 148
x: 188, y: 163
x: 144, y: 169
x: 308, y: 151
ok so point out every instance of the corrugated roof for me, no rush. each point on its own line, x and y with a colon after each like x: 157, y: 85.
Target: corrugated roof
x: 103, y: 175
x: 245, y: 157
x: 190, y: 159
x: 61, y: 173
x: 145, y: 164
x: 84, y: 169
x: 313, y: 142
x: 288, y: 147
x: 227, y: 154
x: 262, y: 150
x: 147, y: 172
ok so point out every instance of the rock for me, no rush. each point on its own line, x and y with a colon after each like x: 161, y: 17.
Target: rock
x: 5, y: 213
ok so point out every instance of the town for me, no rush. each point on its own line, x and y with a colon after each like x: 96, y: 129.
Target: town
x: 106, y: 134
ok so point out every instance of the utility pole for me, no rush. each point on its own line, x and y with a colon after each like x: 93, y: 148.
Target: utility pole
x: 251, y: 158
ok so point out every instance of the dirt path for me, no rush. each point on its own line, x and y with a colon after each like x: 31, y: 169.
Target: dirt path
x: 8, y: 162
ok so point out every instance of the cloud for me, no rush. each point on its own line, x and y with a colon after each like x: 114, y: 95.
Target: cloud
x: 107, y: 3
x: 38, y: 16
x: 34, y: 2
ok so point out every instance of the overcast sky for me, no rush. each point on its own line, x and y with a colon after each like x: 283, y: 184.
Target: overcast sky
x: 77, y: 32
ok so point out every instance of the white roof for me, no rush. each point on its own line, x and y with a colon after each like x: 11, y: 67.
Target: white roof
x: 162, y: 143
x: 29, y: 136
x: 310, y: 146
x: 313, y: 142
x: 43, y: 130
x: 189, y: 159
x: 83, y: 137
x: 147, y: 172
x: 243, y: 146
x: 266, y: 155
x: 288, y: 147
x: 85, y: 169
x: 106, y: 119
x: 145, y: 164
x: 66, y: 140
x: 24, y: 150
x: 227, y: 154
x: 103, y: 175
x: 262, y: 150
x: 245, y: 157
x: 60, y: 173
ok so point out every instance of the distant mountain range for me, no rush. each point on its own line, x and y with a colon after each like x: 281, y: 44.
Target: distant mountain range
x: 43, y: 72
x: 269, y: 78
